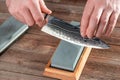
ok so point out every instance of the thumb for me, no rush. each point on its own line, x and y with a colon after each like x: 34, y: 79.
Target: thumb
x: 44, y: 8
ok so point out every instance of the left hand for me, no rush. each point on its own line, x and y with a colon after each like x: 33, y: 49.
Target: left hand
x: 29, y: 12
x: 99, y: 17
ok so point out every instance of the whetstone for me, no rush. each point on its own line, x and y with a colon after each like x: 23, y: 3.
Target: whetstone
x: 66, y: 56
x: 10, y: 30
x: 68, y: 75
x: 67, y: 70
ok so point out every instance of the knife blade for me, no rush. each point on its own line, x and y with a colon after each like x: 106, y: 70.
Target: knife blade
x: 70, y: 33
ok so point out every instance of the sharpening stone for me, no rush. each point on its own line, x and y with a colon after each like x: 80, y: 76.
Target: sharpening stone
x: 67, y: 54
x: 10, y: 30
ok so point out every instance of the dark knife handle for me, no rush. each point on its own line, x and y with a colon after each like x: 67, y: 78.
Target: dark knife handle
x: 46, y: 15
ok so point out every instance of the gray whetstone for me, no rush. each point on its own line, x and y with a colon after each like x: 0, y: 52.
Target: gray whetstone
x: 10, y: 30
x: 66, y: 55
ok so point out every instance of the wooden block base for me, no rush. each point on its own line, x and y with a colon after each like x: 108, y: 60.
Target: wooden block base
x: 68, y: 75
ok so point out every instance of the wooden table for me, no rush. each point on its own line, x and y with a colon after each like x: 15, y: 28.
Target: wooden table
x: 26, y: 58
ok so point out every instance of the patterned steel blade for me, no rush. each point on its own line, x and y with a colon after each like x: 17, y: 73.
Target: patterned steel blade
x: 65, y: 31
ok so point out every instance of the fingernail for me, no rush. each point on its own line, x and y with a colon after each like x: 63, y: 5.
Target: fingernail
x: 98, y: 36
x: 50, y: 12
x: 82, y: 34
x: 90, y: 37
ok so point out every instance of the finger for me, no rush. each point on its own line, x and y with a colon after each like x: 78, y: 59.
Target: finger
x: 103, y: 22
x: 44, y: 7
x: 36, y: 13
x: 7, y: 3
x: 112, y: 23
x: 43, y: 22
x: 28, y: 17
x: 94, y: 20
x: 85, y: 18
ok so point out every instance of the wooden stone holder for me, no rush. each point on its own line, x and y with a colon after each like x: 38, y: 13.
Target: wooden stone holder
x: 65, y: 74
x: 74, y: 57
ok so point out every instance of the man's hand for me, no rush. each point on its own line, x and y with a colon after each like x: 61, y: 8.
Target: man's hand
x: 28, y: 11
x: 99, y: 17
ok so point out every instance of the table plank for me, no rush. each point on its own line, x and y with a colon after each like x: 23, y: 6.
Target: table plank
x: 6, y: 75
x: 100, y: 64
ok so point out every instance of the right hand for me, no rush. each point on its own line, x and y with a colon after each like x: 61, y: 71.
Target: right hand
x: 99, y: 18
x: 29, y: 12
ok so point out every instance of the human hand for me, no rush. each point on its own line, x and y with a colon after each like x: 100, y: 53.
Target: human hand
x: 99, y: 17
x: 28, y: 11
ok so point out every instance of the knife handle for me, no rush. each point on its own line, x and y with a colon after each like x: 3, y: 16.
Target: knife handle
x: 46, y: 15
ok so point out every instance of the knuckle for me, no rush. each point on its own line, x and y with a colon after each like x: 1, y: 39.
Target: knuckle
x: 109, y: 7
x: 117, y: 10
x: 96, y: 19
x: 104, y: 21
x: 22, y: 8
x: 12, y: 11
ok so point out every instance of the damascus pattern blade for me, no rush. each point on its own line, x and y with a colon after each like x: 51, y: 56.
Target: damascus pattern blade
x: 65, y: 31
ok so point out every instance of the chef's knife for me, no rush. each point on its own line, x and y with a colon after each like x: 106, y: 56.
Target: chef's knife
x: 65, y: 31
